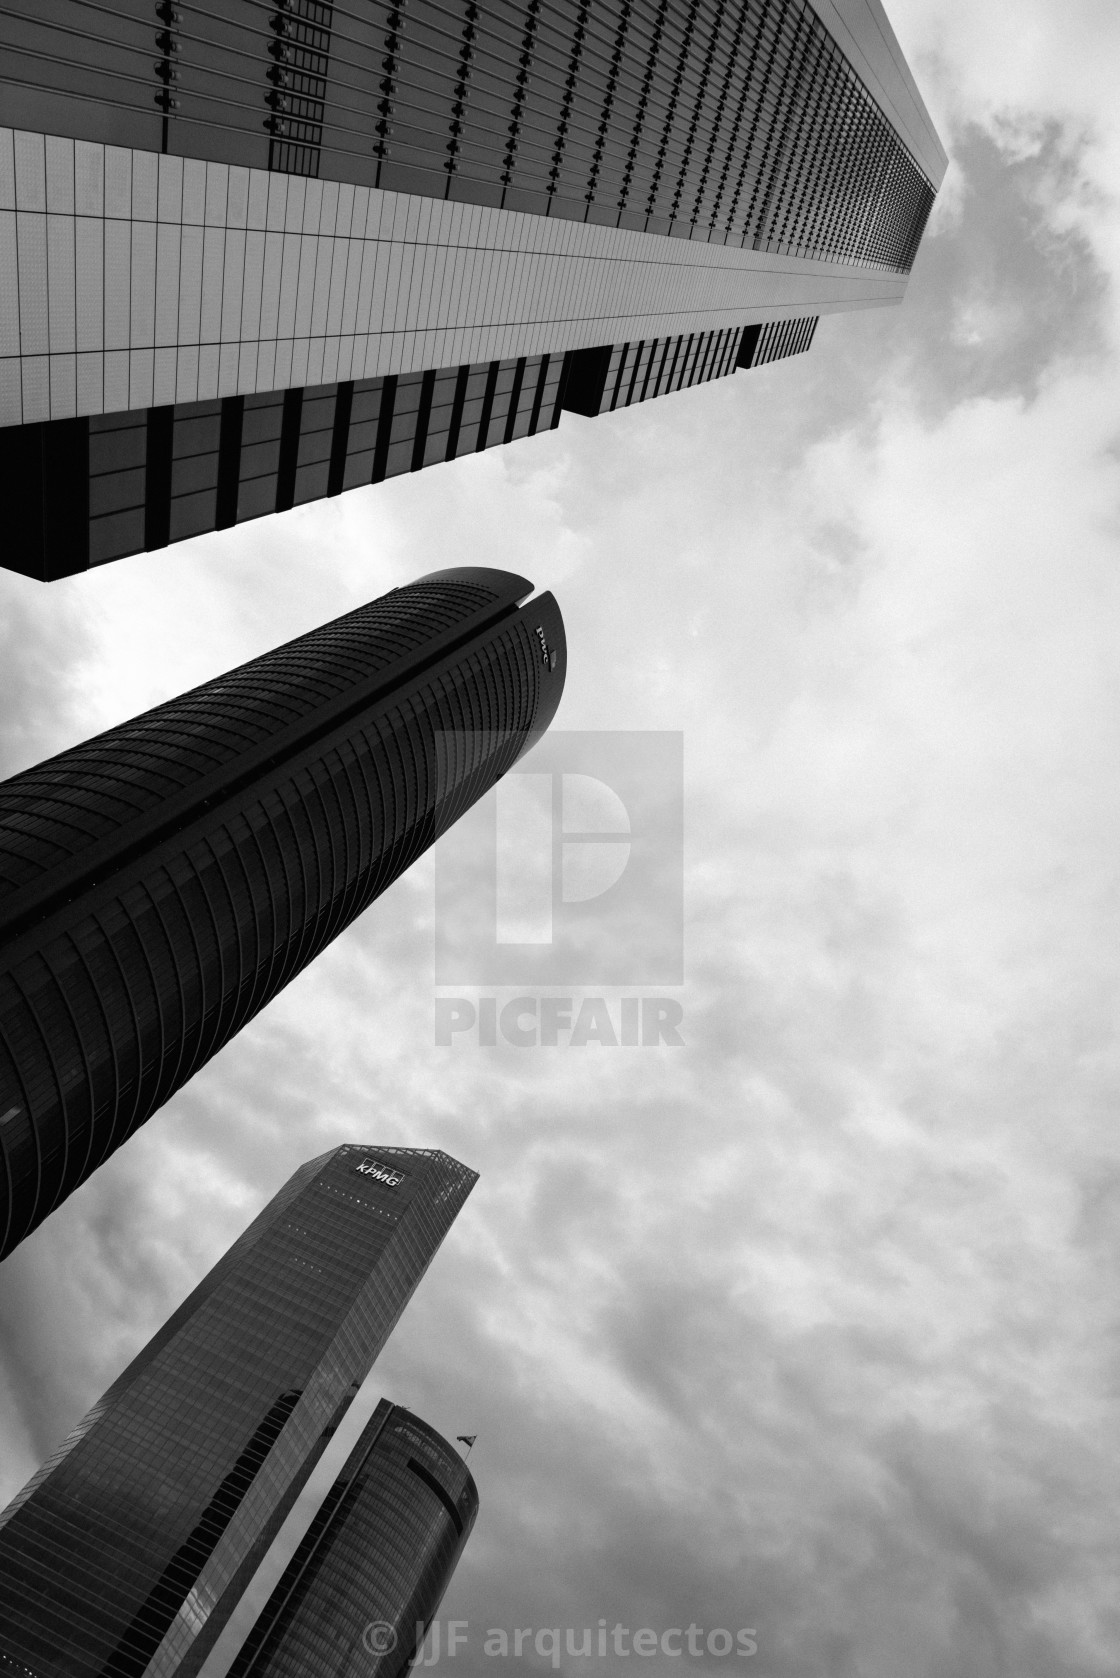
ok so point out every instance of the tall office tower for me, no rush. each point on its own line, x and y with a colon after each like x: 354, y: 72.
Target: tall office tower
x: 160, y: 883
x: 124, y: 1556
x: 261, y: 251
x: 369, y: 1574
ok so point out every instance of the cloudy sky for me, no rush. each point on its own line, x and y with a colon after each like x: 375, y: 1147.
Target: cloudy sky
x: 808, y: 1326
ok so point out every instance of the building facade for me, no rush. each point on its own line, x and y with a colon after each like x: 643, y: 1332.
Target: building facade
x: 124, y: 1556
x: 160, y: 883
x: 261, y: 252
x: 378, y: 1554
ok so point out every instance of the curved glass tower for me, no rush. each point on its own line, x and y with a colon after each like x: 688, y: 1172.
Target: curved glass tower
x: 369, y: 1574
x: 125, y: 1555
x: 160, y: 883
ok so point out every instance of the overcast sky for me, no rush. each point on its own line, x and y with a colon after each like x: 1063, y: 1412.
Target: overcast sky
x: 810, y: 1325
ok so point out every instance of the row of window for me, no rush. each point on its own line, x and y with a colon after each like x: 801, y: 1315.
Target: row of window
x: 172, y: 473
x: 776, y: 340
x: 163, y: 474
x: 742, y: 123
x: 615, y: 376
x: 148, y: 1626
x: 140, y: 981
x: 57, y: 809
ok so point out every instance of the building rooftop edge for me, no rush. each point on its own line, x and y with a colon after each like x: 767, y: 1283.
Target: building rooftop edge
x: 403, y: 1410
x: 399, y: 1148
x: 863, y: 32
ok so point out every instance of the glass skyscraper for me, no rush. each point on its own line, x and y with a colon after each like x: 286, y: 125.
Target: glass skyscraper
x: 160, y: 883
x: 124, y: 1556
x: 261, y: 251
x: 368, y: 1576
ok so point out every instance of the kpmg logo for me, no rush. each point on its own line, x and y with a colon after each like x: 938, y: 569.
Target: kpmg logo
x: 570, y: 871
x: 380, y: 1173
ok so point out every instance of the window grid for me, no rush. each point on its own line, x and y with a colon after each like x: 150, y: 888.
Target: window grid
x: 150, y: 939
x: 620, y: 375
x: 147, y: 1500
x: 744, y: 123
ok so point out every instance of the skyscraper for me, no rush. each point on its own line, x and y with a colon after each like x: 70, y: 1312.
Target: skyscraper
x: 160, y: 883
x: 260, y: 252
x: 125, y: 1554
x: 371, y: 1569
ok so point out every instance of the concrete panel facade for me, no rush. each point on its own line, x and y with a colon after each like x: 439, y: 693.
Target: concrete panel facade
x: 130, y: 280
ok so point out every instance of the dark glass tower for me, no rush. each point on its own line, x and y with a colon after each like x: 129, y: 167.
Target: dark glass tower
x: 159, y: 884
x: 369, y: 1574
x: 124, y: 1556
x: 270, y: 250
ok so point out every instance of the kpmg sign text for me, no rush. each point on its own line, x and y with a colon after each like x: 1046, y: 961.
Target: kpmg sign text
x: 381, y: 1173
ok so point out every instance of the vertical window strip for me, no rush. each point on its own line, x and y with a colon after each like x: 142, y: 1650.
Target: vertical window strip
x: 461, y: 382
x: 652, y: 201
x: 514, y: 399
x: 384, y: 429
x: 340, y: 436
x: 522, y: 80
x: 718, y: 133
x: 698, y: 101
x: 622, y: 360
x: 297, y: 77
x: 656, y: 350
x: 538, y: 395
x: 660, y: 383
x: 638, y: 134
x: 563, y: 125
x: 487, y: 405
x: 617, y: 55
x: 423, y: 415
x: 777, y: 132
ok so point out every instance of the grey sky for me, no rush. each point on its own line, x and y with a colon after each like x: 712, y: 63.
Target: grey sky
x: 809, y: 1326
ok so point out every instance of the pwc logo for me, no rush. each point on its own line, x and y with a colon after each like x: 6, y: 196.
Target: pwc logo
x: 570, y: 871
x: 380, y: 1173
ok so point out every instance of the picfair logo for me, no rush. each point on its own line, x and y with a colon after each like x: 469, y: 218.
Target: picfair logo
x: 380, y: 1173
x: 569, y: 871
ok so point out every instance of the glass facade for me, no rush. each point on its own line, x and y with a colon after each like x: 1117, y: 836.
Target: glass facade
x: 160, y: 475
x: 741, y: 123
x: 296, y: 307
x: 379, y: 1553
x: 617, y: 375
x: 160, y: 883
x: 124, y: 1556
x: 147, y: 477
x: 776, y: 340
